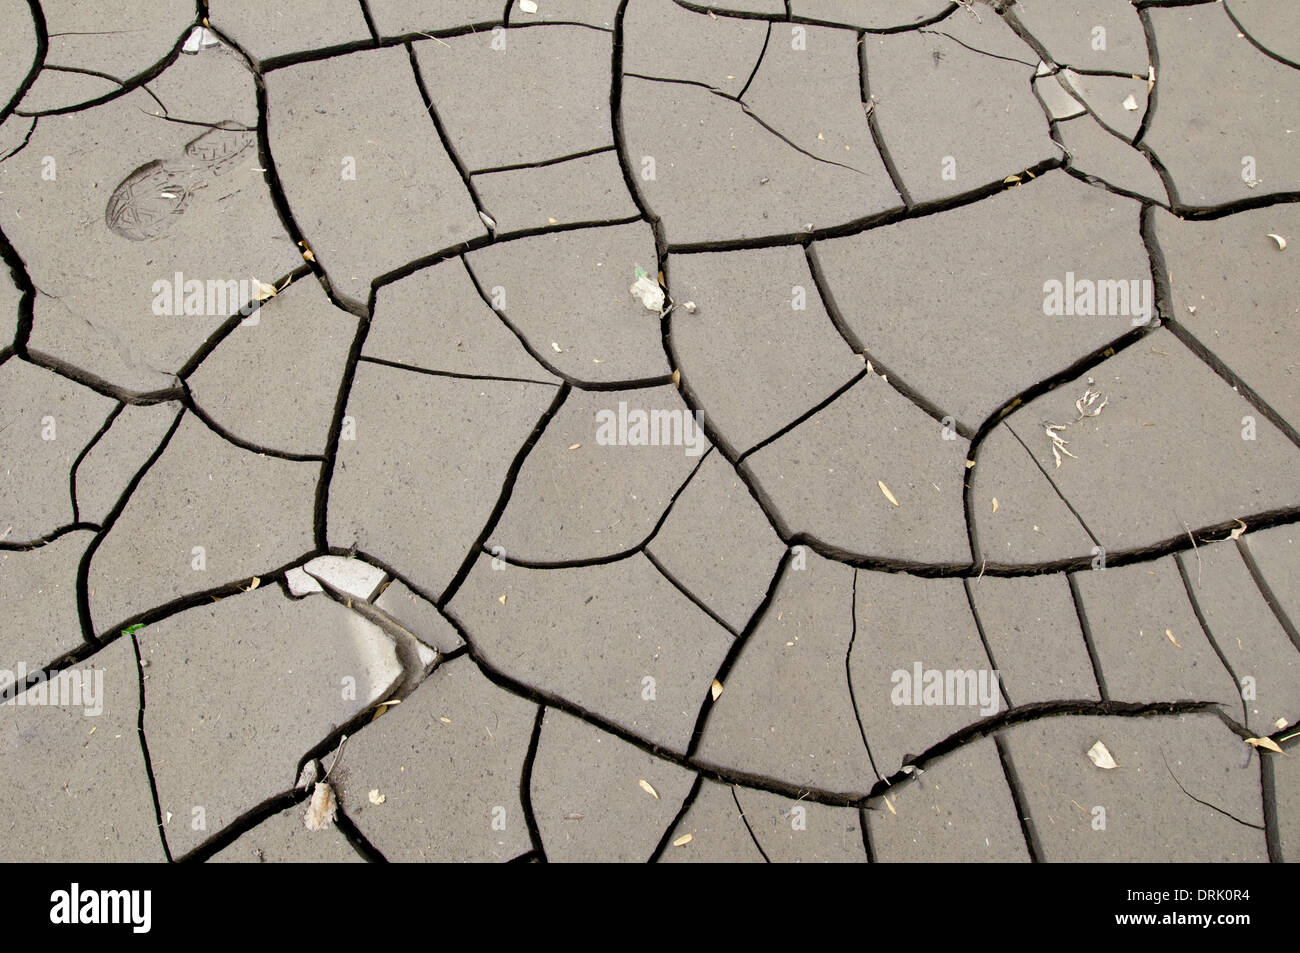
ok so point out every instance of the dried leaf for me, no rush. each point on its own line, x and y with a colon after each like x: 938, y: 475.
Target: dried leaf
x: 1011, y: 180
x: 885, y: 490
x: 488, y: 220
x: 1236, y: 533
x: 649, y: 293
x: 889, y: 805
x: 1099, y: 755
x: 995, y: 504
x: 677, y: 379
x: 1281, y: 242
x: 307, y: 253
x: 648, y: 788
x: 575, y: 446
x: 502, y: 598
x: 683, y: 840
x: 321, y: 810
x: 1169, y: 634
x: 257, y: 581
x: 716, y: 689
x: 375, y: 797
x: 264, y: 291
x: 1267, y: 743
x: 1151, y: 78
x: 970, y: 464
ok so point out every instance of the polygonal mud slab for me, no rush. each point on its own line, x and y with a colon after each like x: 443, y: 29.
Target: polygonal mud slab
x: 401, y: 17
x: 1148, y: 642
x: 1118, y: 102
x: 1256, y: 100
x: 508, y: 97
x: 567, y: 295
x: 48, y: 419
x: 264, y: 31
x: 587, y: 490
x: 1088, y: 34
x: 953, y: 119
x: 350, y: 577
x: 787, y: 706
x: 1032, y: 632
x: 1286, y: 796
x: 712, y: 831
x: 713, y: 173
x: 273, y: 381
x: 1031, y: 523
x: 419, y: 617
x: 284, y: 839
x: 38, y: 600
x: 808, y: 89
x: 238, y: 691
x: 586, y: 189
x: 1276, y: 556
x: 717, y: 544
x: 145, y: 235
x: 662, y: 39
x: 958, y: 809
x: 761, y: 350
x: 1006, y: 327
x: 435, y: 320
x: 588, y: 794
x: 419, y: 434
x: 108, y: 36
x: 822, y: 479
x: 1231, y: 289
x: 75, y: 788
x: 109, y: 464
x: 1097, y: 154
x: 445, y: 767
x: 1169, y: 422
x: 791, y: 831
x: 592, y: 12
x: 1262, y: 659
x: 17, y: 50
x: 366, y: 175
x: 1058, y: 103
x: 1145, y: 813
x: 616, y: 639
x: 917, y: 668
x: 205, y: 515
x: 871, y: 14
x: 1272, y: 24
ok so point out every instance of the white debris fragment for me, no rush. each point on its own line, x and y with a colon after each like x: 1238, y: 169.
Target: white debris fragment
x: 488, y: 220
x: 528, y: 6
x: 355, y: 577
x: 1130, y: 102
x: 649, y: 293
x: 200, y: 38
x: 321, y: 810
x: 1099, y: 755
x: 1281, y: 242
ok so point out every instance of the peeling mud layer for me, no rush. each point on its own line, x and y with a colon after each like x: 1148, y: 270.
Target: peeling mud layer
x: 650, y: 430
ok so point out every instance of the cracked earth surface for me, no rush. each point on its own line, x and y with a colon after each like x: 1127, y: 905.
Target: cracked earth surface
x: 324, y: 430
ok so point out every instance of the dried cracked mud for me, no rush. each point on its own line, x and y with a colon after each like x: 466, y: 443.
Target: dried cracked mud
x: 650, y: 430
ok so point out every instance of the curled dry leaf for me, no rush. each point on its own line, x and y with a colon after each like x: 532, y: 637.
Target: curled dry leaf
x: 1236, y: 533
x: 322, y: 808
x: 307, y: 253
x: 1099, y: 755
x: 716, y: 689
x: 1281, y: 242
x: 1169, y: 634
x: 648, y: 788
x: 648, y: 292
x: 1266, y: 743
